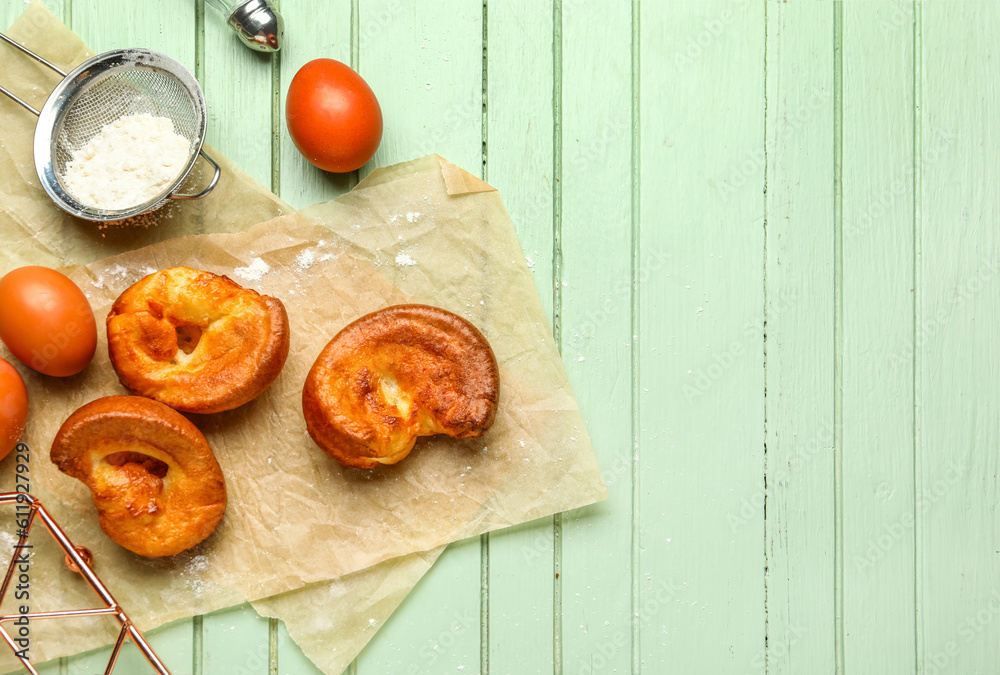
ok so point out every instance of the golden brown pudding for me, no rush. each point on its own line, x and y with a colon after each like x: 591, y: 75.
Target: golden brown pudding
x: 156, y: 484
x: 396, y: 374
x: 196, y: 341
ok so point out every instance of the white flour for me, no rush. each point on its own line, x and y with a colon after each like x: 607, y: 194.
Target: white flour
x: 255, y: 271
x: 131, y: 160
x: 405, y: 259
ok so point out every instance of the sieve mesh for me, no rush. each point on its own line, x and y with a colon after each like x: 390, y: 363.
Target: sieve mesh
x: 125, y: 92
x: 119, y: 93
x: 100, y: 91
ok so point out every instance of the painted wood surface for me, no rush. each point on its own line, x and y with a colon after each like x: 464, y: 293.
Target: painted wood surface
x: 766, y: 235
x: 797, y: 319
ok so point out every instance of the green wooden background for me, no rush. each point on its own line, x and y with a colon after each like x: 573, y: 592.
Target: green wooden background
x: 767, y: 236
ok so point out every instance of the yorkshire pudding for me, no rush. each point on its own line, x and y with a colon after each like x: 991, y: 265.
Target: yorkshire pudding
x: 157, y: 486
x: 396, y: 374
x: 197, y: 341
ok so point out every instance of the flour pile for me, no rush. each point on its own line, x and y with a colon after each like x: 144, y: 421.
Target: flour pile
x: 131, y: 160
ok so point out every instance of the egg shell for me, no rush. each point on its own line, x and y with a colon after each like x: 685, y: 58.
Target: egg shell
x: 13, y: 407
x: 46, y: 321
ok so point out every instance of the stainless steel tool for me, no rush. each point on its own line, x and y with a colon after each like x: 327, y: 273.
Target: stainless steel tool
x: 257, y: 23
x: 100, y: 91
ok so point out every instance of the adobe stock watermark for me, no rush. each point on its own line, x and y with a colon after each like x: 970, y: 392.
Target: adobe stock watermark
x: 711, y: 30
x: 901, y: 15
x: 374, y: 25
x: 455, y: 116
x: 56, y: 341
x: 595, y: 149
x: 651, y: 604
x: 900, y: 186
x: 971, y: 627
x: 722, y: 360
x: 751, y: 507
x: 540, y: 545
x: 621, y: 292
x: 755, y: 162
x: 777, y: 649
x: 964, y: 293
x: 444, y: 641
x: 256, y: 662
x: 892, y: 533
x: 22, y: 558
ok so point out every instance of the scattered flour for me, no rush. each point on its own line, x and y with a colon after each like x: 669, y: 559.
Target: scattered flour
x: 305, y: 259
x: 129, y: 162
x: 255, y: 271
x: 405, y: 259
x: 412, y: 216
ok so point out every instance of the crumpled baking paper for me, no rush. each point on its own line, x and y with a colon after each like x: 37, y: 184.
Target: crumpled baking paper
x: 422, y: 231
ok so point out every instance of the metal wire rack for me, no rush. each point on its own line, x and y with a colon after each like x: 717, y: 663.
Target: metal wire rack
x: 78, y: 560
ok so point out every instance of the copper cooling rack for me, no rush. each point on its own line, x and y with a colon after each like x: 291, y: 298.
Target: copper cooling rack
x: 78, y: 560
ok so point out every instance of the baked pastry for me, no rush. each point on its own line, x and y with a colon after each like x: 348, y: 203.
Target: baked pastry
x: 197, y: 341
x: 396, y: 374
x: 157, y: 486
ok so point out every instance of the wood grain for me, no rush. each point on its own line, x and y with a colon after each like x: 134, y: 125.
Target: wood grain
x: 957, y: 373
x: 518, y: 135
x: 700, y: 423
x: 796, y: 329
x: 878, y: 327
x: 597, y: 240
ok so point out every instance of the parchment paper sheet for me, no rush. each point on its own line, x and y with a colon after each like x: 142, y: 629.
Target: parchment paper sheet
x: 424, y: 230
x: 33, y: 231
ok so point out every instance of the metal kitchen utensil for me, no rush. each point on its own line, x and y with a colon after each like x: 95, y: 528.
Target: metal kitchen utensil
x: 28, y: 507
x: 257, y: 23
x: 100, y: 91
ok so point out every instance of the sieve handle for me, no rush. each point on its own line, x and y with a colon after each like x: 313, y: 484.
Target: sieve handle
x: 35, y: 56
x: 211, y: 186
x: 23, y: 104
x: 32, y: 54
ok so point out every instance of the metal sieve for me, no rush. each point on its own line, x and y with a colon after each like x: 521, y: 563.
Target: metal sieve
x: 100, y: 91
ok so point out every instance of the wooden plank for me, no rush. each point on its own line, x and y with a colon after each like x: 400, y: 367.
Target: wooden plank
x: 301, y: 183
x: 424, y: 61
x: 596, y: 317
x: 436, y: 629
x: 519, y: 163
x: 957, y: 396
x: 117, y: 24
x: 878, y: 326
x: 700, y: 406
x: 235, y: 642
x: 796, y: 328
x: 236, y: 83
